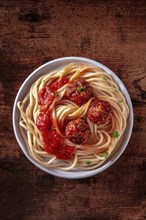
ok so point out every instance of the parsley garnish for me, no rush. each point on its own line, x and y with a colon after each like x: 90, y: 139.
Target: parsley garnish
x: 56, y: 94
x: 88, y: 162
x: 116, y: 90
x: 120, y: 101
x: 104, y: 78
x: 115, y: 134
x: 80, y: 89
x: 105, y: 155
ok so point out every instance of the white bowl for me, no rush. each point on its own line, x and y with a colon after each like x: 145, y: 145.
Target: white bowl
x: 49, y: 67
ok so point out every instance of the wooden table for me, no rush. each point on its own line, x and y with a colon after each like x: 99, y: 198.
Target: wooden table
x: 113, y: 33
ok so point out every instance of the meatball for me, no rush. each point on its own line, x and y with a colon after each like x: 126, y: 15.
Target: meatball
x: 79, y: 91
x: 100, y: 112
x: 77, y: 131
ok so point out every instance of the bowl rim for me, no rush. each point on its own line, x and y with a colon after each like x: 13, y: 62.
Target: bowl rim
x: 113, y: 158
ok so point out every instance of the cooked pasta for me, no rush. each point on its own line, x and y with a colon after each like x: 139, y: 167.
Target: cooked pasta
x: 66, y: 111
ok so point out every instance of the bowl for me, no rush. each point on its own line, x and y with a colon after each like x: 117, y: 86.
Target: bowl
x: 52, y: 66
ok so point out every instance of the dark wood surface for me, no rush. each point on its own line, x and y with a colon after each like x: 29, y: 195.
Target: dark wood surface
x: 111, y: 32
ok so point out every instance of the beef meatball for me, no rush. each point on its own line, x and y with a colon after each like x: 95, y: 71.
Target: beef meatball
x: 100, y: 112
x: 79, y: 92
x: 77, y: 131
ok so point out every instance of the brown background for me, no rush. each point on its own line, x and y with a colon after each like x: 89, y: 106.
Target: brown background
x: 113, y: 33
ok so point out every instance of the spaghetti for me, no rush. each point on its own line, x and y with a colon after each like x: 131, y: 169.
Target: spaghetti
x: 49, y: 101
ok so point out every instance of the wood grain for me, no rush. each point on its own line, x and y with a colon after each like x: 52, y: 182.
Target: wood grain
x: 111, y: 32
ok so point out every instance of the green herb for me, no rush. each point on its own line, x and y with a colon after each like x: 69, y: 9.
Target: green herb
x: 52, y: 128
x: 88, y: 162
x: 80, y: 89
x: 105, y: 155
x: 104, y: 78
x: 116, y: 90
x: 115, y: 134
x: 56, y: 94
x: 120, y: 101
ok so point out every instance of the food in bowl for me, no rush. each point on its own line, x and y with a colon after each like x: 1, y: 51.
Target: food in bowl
x: 74, y: 117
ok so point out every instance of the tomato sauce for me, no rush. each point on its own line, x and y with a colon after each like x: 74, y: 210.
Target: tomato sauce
x: 54, y: 143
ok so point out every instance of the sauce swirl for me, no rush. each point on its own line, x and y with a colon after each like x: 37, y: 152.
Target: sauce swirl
x: 54, y: 143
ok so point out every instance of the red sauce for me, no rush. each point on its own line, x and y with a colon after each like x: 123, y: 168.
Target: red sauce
x: 58, y: 84
x: 53, y: 142
x: 47, y: 94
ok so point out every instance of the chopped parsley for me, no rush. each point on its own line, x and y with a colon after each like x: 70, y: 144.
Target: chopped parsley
x: 115, y: 134
x: 116, y: 90
x: 56, y: 94
x: 80, y: 89
x: 88, y: 162
x: 120, y: 101
x: 104, y: 78
x: 105, y: 155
